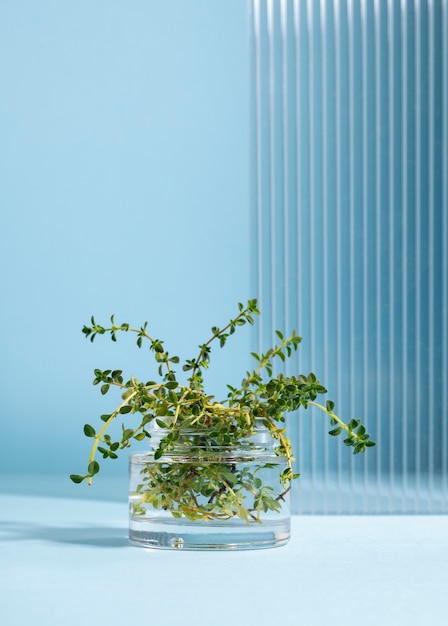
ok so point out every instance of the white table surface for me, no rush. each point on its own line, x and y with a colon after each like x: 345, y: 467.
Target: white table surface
x: 67, y: 562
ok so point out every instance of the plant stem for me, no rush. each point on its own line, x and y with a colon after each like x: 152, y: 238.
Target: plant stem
x: 283, y: 442
x: 333, y: 416
x: 212, y: 338
x: 265, y: 362
x: 104, y: 428
x: 177, y: 411
x: 330, y: 413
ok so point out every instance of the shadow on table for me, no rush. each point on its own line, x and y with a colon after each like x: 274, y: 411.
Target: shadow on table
x: 98, y: 537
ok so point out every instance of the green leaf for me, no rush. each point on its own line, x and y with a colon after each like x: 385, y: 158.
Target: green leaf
x: 230, y: 478
x: 105, y: 389
x: 157, y: 346
x: 243, y: 514
x: 93, y: 468
x: 335, y: 431
x: 89, y: 431
x: 125, y: 409
x: 76, y: 478
x: 161, y: 423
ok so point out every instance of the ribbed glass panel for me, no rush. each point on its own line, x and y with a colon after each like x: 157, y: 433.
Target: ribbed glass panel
x: 350, y: 246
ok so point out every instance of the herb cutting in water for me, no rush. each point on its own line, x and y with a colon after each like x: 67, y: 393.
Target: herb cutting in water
x: 182, y: 418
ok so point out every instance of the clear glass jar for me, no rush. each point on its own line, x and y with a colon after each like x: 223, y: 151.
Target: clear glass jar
x: 202, y: 496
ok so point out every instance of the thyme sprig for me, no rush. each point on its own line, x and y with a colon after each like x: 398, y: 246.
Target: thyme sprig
x: 177, y: 406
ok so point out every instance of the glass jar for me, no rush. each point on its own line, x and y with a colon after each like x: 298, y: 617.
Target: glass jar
x: 202, y: 495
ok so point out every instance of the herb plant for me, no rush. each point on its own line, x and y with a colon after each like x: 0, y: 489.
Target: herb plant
x: 208, y: 489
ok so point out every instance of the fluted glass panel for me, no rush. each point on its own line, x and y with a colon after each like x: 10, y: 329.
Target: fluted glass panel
x: 350, y: 236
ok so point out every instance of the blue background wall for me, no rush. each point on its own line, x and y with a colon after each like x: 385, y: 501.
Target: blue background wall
x: 124, y: 189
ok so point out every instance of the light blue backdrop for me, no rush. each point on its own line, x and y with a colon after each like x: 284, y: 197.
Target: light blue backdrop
x: 124, y: 189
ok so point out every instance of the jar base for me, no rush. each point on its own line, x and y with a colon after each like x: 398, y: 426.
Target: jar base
x: 154, y: 534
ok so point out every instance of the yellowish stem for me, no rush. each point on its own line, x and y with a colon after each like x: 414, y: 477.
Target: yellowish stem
x: 331, y: 414
x: 104, y: 428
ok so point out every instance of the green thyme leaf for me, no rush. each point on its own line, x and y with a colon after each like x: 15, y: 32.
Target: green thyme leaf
x: 89, y: 431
